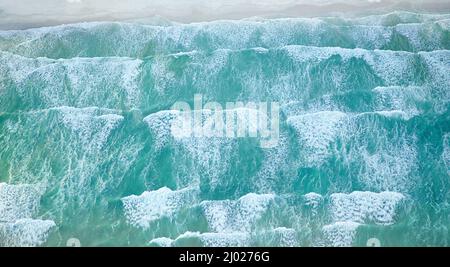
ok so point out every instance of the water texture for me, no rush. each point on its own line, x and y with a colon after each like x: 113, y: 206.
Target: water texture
x: 86, y: 150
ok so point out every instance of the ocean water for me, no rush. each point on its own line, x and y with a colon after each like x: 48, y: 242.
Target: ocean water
x: 363, y: 151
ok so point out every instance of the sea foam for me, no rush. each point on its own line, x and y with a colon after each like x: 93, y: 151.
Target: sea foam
x: 150, y: 206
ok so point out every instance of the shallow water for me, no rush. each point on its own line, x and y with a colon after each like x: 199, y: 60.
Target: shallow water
x: 364, y: 147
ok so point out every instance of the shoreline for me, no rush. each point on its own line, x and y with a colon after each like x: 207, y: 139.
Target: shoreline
x: 196, y: 11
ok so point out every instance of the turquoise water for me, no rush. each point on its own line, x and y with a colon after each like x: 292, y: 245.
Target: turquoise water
x: 363, y: 152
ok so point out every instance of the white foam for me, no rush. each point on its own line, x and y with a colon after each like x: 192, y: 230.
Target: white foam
x: 369, y: 37
x: 236, y: 239
x: 228, y: 216
x: 399, y: 114
x: 315, y: 132
x: 444, y: 23
x: 366, y: 207
x: 288, y: 236
x: 224, y: 240
x: 412, y: 32
x: 261, y: 50
x: 313, y: 200
x: 391, y: 66
x: 72, y: 81
x: 80, y: 135
x: 279, y: 237
x: 150, y: 206
x: 129, y: 81
x: 121, y: 74
x: 163, y: 77
x: 165, y: 123
x: 210, y: 155
x: 340, y: 234
x: 399, y: 101
x: 161, y: 242
x: 390, y: 167
x: 25, y: 232
x: 388, y: 164
x: 211, y: 150
x: 403, y: 17
x: 438, y: 63
x: 92, y: 128
x: 18, y: 202
x: 446, y: 152
x: 18, y: 67
x: 160, y: 124
x: 168, y: 123
x: 275, y: 160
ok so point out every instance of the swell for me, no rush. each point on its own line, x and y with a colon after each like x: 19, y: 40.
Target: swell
x: 363, y: 148
x: 306, y: 75
x: 105, y: 39
x: 323, y: 155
